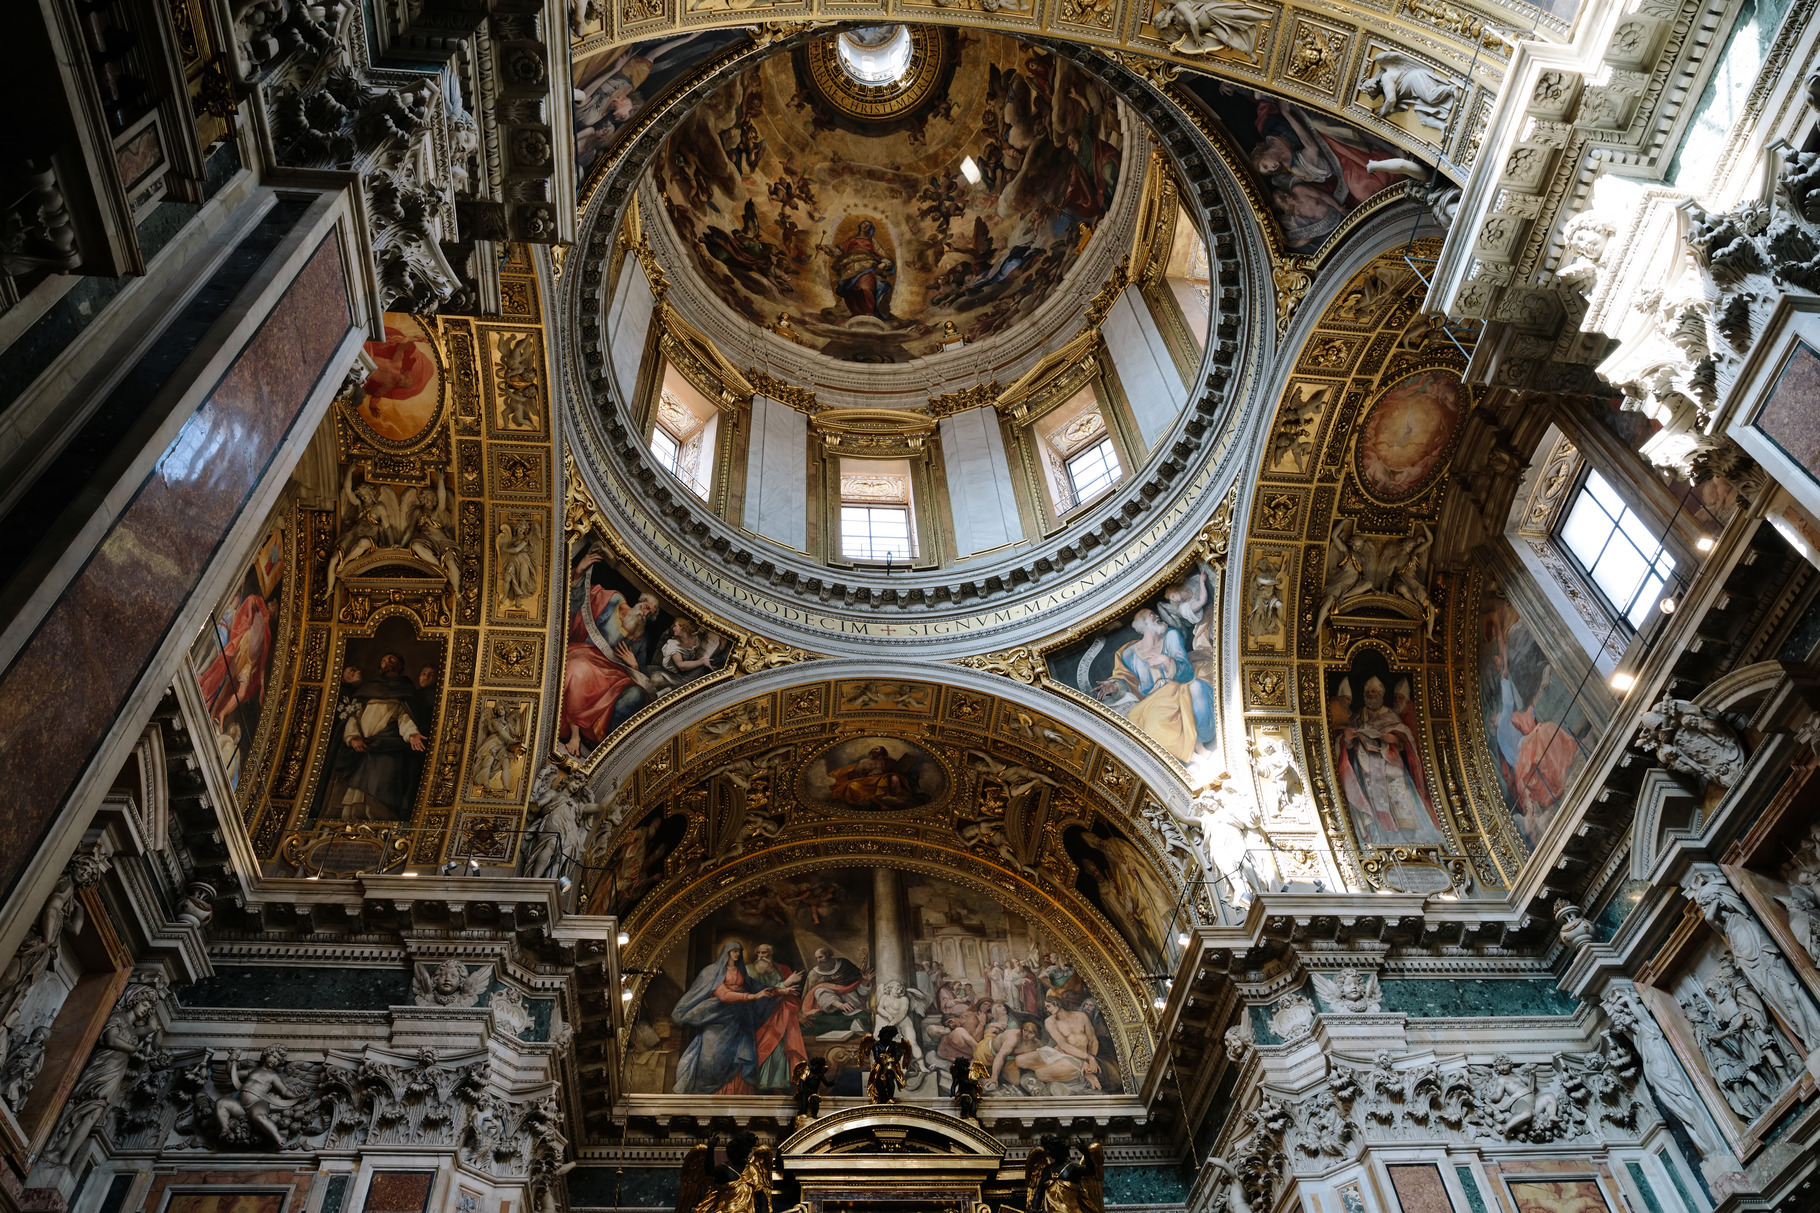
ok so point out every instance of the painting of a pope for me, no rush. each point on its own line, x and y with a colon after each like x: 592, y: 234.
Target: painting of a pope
x: 1378, y: 761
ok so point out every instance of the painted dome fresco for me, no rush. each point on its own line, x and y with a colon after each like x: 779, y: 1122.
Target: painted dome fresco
x: 884, y: 193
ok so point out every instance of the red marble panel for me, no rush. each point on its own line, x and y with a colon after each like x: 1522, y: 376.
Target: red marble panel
x: 73, y: 676
x: 1791, y: 415
x: 1419, y: 1188
x: 399, y: 1191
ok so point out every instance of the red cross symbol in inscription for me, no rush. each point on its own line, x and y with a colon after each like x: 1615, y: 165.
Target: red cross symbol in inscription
x: 889, y: 631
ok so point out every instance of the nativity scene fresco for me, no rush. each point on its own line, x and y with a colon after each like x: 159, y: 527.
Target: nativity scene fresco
x: 806, y: 967
x: 880, y: 232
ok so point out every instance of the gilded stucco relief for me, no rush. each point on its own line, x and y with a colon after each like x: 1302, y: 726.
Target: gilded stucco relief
x: 1357, y: 652
x: 421, y: 581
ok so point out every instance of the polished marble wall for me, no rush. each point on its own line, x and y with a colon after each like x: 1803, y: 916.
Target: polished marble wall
x: 62, y: 693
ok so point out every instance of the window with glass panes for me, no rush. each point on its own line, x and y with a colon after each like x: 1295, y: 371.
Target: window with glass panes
x: 1093, y: 470
x: 875, y: 532
x: 1616, y: 550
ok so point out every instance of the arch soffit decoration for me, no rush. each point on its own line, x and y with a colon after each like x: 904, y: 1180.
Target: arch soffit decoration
x: 1369, y: 337
x: 1174, y: 496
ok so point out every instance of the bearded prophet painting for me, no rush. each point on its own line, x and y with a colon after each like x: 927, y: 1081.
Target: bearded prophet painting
x: 1408, y: 433
x: 627, y: 649
x: 1537, y: 729
x: 786, y: 972
x: 1314, y: 169
x: 402, y: 391
x: 1377, y: 755
x: 875, y: 773
x: 1158, y: 670
x: 233, y: 655
x: 1115, y: 875
x: 866, y: 238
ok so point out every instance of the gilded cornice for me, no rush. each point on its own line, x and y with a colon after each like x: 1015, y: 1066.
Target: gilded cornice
x: 1056, y: 376
x: 698, y: 359
x: 872, y: 430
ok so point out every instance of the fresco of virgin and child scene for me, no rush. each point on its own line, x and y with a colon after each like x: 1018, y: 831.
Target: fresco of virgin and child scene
x: 879, y: 237
x: 627, y: 649
x: 1157, y: 670
x: 807, y: 966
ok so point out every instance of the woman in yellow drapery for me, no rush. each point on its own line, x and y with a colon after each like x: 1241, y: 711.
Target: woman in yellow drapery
x: 1174, y: 688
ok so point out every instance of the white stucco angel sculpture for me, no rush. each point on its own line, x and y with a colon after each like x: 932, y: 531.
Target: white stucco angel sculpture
x: 1202, y: 27
x: 1355, y: 991
x: 1402, y: 82
x: 450, y: 984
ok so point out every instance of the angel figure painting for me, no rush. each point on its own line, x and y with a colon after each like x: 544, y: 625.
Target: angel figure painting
x: 1377, y: 755
x: 233, y: 655
x: 627, y: 649
x: 1314, y: 169
x: 402, y: 391
x: 1159, y: 670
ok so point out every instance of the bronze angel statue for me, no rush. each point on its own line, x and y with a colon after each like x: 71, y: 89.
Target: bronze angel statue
x: 1062, y: 1177
x: 966, y: 1083
x: 742, y: 1184
x: 885, y: 1057
x: 808, y: 1079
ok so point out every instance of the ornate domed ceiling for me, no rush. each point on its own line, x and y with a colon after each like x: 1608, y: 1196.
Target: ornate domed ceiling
x: 924, y: 187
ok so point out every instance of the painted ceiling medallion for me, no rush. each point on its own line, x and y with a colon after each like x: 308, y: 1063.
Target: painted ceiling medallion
x: 879, y: 73
x: 1407, y: 435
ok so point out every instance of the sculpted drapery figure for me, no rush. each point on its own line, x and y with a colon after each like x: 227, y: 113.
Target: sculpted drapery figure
x: 1756, y: 956
x: 1663, y: 1069
x: 131, y: 1033
x: 1691, y: 740
x: 742, y: 1184
x: 1062, y: 1177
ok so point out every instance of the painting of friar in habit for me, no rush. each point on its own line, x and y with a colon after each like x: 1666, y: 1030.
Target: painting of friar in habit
x: 627, y: 649
x: 385, y: 718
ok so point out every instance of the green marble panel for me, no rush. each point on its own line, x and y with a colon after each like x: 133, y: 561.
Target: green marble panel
x: 632, y: 1188
x: 300, y: 989
x: 1460, y: 997
x: 1146, y: 1186
x: 1618, y: 909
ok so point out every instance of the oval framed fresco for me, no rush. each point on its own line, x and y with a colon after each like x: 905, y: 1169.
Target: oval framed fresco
x: 401, y: 400
x: 1408, y: 434
x: 874, y: 774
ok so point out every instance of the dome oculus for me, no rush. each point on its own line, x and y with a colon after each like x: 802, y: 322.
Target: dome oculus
x: 875, y: 55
